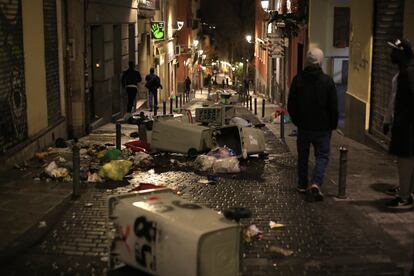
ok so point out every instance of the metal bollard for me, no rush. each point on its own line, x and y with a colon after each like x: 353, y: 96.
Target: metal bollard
x: 164, y: 107
x: 181, y: 100
x: 76, y: 170
x: 118, y: 136
x: 343, y: 160
x: 251, y: 101
x: 171, y: 105
x: 282, y: 126
x: 255, y: 106
x: 247, y: 101
x: 176, y: 101
x: 263, y: 107
x: 155, y: 109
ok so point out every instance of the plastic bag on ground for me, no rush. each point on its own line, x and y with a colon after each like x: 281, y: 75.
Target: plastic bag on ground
x: 204, y: 162
x: 94, y: 177
x: 54, y: 171
x: 112, y: 154
x: 115, y: 170
x: 221, y: 152
x: 240, y: 122
x: 143, y: 159
x: 226, y: 165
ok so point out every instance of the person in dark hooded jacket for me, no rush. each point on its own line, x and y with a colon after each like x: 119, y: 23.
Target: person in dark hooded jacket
x: 313, y: 108
x: 402, y: 131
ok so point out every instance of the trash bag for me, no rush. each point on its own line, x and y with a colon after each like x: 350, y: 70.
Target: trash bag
x: 143, y: 159
x: 204, y: 162
x: 226, y: 165
x: 94, y: 177
x: 138, y: 146
x: 221, y: 152
x: 112, y: 154
x: 115, y: 170
x: 240, y: 122
x: 54, y: 171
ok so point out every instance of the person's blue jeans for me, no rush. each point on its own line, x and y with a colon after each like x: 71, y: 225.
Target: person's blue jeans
x: 321, y: 142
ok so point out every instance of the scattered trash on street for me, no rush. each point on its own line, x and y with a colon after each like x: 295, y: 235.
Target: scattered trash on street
x: 280, y: 252
x: 226, y: 165
x: 42, y: 224
x: 273, y: 225
x: 251, y: 233
x: 89, y: 204
x: 56, y: 172
x: 115, y: 170
x: 94, y: 178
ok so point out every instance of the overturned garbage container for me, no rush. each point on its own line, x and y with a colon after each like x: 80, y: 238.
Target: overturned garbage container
x: 172, y: 135
x: 243, y: 141
x: 160, y: 233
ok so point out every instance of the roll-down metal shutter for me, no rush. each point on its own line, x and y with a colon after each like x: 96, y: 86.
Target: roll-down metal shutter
x: 13, y: 119
x: 388, y: 25
x: 52, y: 61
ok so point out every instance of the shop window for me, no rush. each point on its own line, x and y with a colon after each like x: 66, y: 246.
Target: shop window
x: 341, y: 27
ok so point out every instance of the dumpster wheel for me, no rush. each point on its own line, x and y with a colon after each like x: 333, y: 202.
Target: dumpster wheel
x: 192, y: 152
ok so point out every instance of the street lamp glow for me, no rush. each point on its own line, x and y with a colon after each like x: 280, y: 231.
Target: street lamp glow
x: 195, y: 43
x: 241, y: 63
x: 200, y: 52
x: 249, y: 38
x: 265, y: 4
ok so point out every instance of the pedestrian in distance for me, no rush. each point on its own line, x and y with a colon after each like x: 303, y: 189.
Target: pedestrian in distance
x: 153, y: 82
x: 227, y: 82
x: 209, y: 84
x: 222, y: 83
x: 313, y: 108
x: 130, y: 80
x: 187, y: 83
x: 402, y: 130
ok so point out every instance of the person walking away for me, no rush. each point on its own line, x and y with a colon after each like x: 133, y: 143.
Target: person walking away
x: 130, y: 80
x: 208, y: 80
x: 313, y: 108
x: 402, y: 131
x: 246, y: 86
x: 153, y: 82
x: 187, y: 86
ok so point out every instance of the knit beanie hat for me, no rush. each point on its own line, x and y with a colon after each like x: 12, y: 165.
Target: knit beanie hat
x: 314, y: 56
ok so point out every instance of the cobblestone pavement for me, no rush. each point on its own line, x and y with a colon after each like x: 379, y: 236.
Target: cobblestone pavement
x: 327, y: 238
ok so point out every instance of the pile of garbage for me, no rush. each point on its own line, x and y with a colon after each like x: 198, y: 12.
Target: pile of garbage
x: 98, y: 163
x: 218, y: 160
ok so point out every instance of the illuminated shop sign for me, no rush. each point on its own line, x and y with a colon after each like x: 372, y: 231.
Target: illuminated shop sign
x: 157, y: 30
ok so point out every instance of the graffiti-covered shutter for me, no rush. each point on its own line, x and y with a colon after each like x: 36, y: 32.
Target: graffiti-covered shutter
x: 13, y: 119
x: 52, y: 61
x: 388, y: 25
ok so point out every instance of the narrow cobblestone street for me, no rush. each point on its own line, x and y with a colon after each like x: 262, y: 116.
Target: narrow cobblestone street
x: 327, y: 238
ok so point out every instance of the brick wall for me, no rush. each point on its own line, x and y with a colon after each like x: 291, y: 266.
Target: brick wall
x: 52, y: 61
x: 13, y: 119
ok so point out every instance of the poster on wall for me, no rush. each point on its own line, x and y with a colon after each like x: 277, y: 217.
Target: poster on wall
x: 157, y: 30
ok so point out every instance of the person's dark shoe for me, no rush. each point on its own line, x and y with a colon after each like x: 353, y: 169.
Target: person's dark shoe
x: 400, y: 204
x: 301, y: 189
x: 394, y: 191
x: 316, y: 192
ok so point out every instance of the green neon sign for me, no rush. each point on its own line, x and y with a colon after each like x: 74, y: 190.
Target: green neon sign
x: 158, y: 30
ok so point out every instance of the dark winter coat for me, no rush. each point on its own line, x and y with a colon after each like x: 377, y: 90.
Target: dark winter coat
x: 130, y: 77
x: 313, y: 102
x: 402, y: 133
x: 153, y: 83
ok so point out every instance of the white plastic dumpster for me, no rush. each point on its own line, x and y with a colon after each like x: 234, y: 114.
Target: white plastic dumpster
x: 243, y: 140
x: 176, y: 136
x: 162, y: 234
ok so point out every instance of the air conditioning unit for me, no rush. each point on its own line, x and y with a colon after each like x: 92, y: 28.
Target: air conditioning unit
x: 162, y: 234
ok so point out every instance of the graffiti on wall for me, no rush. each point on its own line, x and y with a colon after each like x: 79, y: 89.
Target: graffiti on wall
x: 13, y: 121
